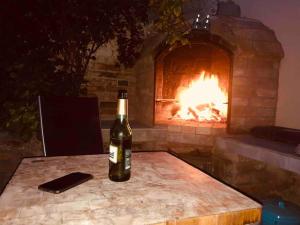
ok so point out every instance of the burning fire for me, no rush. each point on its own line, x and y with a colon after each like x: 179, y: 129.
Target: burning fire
x: 203, y: 100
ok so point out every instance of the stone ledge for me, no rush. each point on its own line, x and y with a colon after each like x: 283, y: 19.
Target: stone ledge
x: 161, y: 137
x: 273, y: 153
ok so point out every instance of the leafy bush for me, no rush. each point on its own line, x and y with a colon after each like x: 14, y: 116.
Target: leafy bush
x: 46, y: 46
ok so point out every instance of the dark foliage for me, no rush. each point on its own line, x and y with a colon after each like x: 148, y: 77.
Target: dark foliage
x: 46, y: 45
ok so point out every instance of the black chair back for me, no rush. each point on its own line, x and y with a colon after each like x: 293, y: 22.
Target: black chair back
x: 70, y: 125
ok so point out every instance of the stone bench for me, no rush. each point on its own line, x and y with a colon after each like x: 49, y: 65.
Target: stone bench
x: 277, y: 154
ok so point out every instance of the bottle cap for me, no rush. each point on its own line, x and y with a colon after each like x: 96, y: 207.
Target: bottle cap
x: 122, y: 94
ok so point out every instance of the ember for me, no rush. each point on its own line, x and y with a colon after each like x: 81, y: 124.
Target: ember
x: 202, y: 100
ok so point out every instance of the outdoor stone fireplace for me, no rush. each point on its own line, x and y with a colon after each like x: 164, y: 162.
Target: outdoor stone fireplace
x: 243, y: 53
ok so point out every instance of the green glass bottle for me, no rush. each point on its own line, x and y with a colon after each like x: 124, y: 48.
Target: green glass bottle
x: 120, y: 142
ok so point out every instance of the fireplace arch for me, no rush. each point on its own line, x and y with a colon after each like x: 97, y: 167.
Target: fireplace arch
x: 176, y: 68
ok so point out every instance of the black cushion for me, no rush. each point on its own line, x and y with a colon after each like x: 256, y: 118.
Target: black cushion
x: 275, y: 133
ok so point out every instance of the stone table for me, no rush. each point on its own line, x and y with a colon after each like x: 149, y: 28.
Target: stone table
x: 162, y: 190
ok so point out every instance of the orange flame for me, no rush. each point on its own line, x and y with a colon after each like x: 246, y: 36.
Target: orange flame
x: 203, y: 100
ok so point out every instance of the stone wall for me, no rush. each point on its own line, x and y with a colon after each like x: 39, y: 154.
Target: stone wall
x: 257, y: 179
x: 144, y: 92
x: 255, y: 71
x: 145, y: 81
x: 260, y: 179
x: 175, y: 138
x: 105, y: 77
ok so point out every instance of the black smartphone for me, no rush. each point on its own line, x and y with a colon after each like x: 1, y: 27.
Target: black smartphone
x: 64, y: 183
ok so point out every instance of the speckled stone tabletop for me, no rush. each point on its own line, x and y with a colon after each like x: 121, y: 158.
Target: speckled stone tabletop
x: 162, y: 188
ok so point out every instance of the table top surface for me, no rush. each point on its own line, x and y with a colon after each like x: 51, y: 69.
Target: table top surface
x: 161, y: 188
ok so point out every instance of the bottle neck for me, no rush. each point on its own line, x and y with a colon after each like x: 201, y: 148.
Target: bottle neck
x: 122, y: 112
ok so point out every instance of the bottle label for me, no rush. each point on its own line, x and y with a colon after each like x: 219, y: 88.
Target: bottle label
x: 127, y: 159
x: 113, y: 153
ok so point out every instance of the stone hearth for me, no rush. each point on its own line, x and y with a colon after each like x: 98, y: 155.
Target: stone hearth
x: 171, y: 138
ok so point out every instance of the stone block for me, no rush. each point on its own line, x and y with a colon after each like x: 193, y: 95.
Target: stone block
x: 244, y: 34
x: 189, y: 139
x: 239, y: 72
x: 240, y: 111
x: 293, y: 164
x: 218, y: 131
x: 266, y: 73
x: 267, y: 83
x: 243, y: 81
x: 107, y: 54
x: 264, y: 35
x: 188, y: 129
x: 267, y: 93
x: 259, y: 121
x: 222, y: 28
x: 262, y: 112
x: 204, y: 130
x: 260, y: 34
x: 205, y: 140
x: 174, y: 137
x: 263, y: 102
x: 107, y: 74
x: 181, y: 148
x: 223, y: 150
x: 238, y: 120
x: 140, y: 136
x: 242, y: 92
x: 149, y: 146
x: 237, y: 101
x: 247, y: 23
x: 237, y: 124
x: 268, y: 48
x: 174, y: 128
x: 185, y: 138
x: 159, y: 135
x: 261, y: 68
x: 147, y: 134
x: 245, y: 47
x: 92, y: 89
x: 107, y: 96
x: 240, y: 61
x: 105, y: 135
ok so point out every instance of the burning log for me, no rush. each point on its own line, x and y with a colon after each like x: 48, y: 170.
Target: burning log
x: 215, y: 111
x: 202, y: 100
x: 202, y: 107
x: 175, y: 109
x: 193, y: 113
